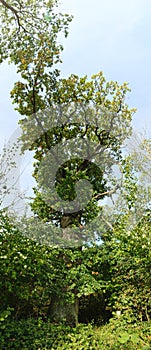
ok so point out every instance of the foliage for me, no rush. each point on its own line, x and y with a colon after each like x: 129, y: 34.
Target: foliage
x: 37, y: 335
x: 24, y: 270
x: 117, y: 274
x: 29, y: 39
x: 29, y: 31
x: 30, y: 274
x: 127, y: 246
x: 129, y: 252
x: 35, y: 94
x: 113, y: 274
x: 40, y: 88
x: 109, y: 124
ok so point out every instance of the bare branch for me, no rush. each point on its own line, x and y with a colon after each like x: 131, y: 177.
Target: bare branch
x: 108, y: 223
x: 107, y: 193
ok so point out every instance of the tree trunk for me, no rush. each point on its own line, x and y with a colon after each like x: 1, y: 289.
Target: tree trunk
x: 61, y: 310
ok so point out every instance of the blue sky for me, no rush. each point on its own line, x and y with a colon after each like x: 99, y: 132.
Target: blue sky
x: 112, y: 36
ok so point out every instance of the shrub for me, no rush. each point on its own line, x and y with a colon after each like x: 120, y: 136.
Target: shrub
x: 31, y: 334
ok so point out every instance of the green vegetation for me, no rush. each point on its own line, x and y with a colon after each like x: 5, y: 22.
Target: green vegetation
x: 94, y: 294
x: 36, y: 334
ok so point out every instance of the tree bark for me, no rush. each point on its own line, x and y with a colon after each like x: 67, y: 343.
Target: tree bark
x: 60, y: 309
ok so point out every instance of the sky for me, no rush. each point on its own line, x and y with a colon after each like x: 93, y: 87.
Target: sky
x: 109, y: 36
x: 113, y: 36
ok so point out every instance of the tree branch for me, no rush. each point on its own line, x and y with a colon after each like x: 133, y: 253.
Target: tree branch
x: 11, y: 8
x: 15, y: 12
x: 107, y: 193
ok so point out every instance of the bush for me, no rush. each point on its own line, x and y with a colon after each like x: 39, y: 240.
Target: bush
x: 34, y: 334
